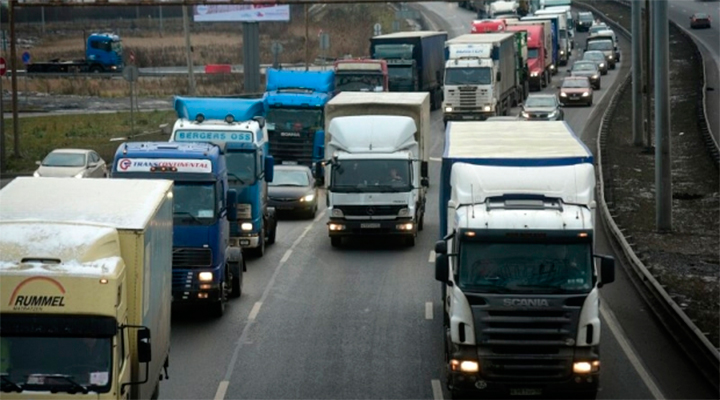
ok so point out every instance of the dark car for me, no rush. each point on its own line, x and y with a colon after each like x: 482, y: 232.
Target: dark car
x: 699, y: 20
x: 598, y: 57
x: 293, y: 189
x: 542, y: 107
x: 588, y: 69
x: 584, y: 21
x: 576, y: 90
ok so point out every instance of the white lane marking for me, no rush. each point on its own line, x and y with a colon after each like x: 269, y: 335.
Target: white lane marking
x: 242, y: 340
x: 431, y: 258
x: 255, y: 310
x: 436, y: 159
x: 627, y: 348
x: 222, y: 389
x: 286, y: 256
x: 429, y: 310
x: 437, y: 389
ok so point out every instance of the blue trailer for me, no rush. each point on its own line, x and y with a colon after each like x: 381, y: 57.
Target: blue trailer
x: 295, y: 102
x: 555, y: 29
x: 238, y: 126
x: 205, y: 269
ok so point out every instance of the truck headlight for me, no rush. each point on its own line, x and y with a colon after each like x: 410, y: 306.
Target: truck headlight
x: 36, y: 174
x: 80, y: 174
x: 562, y: 52
x: 404, y: 212
x: 336, y: 227
x: 246, y: 226
x: 534, y: 74
x: 336, y: 212
x: 448, y: 109
x: 486, y: 108
x: 586, y: 367
x: 308, y: 197
x: 205, y: 276
x: 469, y: 366
x: 404, y: 227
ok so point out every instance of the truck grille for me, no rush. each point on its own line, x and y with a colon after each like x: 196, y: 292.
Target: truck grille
x: 191, y: 257
x: 366, y: 211
x: 468, y: 97
x: 292, y: 146
x: 526, y: 344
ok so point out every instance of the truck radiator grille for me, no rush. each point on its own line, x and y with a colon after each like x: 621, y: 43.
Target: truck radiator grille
x: 191, y: 257
x: 468, y: 96
x: 366, y: 211
x: 526, y: 344
x: 292, y: 146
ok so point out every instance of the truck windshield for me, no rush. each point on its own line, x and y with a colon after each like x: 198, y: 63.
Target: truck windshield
x: 400, y: 73
x: 117, y: 47
x: 194, y: 203
x: 468, y: 76
x: 29, y: 362
x: 533, y: 53
x: 295, y: 119
x: 358, y: 82
x: 525, y: 267
x: 241, y: 167
x: 377, y: 176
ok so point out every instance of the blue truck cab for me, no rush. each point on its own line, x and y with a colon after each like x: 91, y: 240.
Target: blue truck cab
x: 205, y: 268
x: 238, y: 126
x: 104, y: 53
x: 295, y: 103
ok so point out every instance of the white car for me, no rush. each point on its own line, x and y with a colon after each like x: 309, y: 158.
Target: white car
x: 72, y: 163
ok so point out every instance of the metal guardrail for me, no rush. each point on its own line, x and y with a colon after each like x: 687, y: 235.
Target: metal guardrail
x: 691, y: 339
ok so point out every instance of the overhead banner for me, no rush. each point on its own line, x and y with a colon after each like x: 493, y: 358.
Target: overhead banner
x: 241, y: 13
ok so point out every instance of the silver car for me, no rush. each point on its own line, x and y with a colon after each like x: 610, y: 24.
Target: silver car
x: 72, y: 163
x: 599, y: 58
x: 606, y: 46
x: 542, y: 107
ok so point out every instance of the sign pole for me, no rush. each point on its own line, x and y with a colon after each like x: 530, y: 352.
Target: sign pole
x: 13, y: 64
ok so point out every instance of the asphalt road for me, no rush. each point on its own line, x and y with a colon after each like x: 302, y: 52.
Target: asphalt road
x: 709, y: 44
x: 365, y: 321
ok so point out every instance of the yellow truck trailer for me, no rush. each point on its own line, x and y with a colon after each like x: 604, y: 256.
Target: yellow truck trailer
x: 85, y: 287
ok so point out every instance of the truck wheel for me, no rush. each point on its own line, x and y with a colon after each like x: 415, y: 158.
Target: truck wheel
x: 218, y: 308
x: 336, y: 241
x: 273, y: 232
x: 421, y: 222
x: 95, y: 69
x: 592, y: 395
x: 237, y: 282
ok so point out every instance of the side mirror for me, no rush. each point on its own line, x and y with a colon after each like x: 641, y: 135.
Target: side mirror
x: 498, y: 76
x: 269, y: 168
x: 232, y: 196
x: 143, y: 346
x: 424, y: 169
x: 569, y: 71
x: 319, y: 172
x: 441, y: 247
x: 38, y: 162
x: 442, y: 268
x: 92, y: 165
x: 424, y: 182
x: 607, y: 270
x: 260, y: 120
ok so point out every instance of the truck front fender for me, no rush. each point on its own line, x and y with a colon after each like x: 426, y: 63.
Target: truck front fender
x: 234, y: 255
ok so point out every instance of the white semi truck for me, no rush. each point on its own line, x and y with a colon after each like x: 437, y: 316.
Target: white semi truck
x: 480, y: 76
x: 517, y: 261
x: 376, y: 164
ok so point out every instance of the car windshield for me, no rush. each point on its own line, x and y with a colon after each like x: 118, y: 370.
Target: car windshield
x: 584, y: 67
x: 371, y: 176
x: 596, y: 29
x: 585, y: 18
x: 286, y: 177
x: 525, y: 267
x: 575, y: 83
x: 64, y: 160
x: 537, y: 101
x: 595, y: 56
x: 28, y: 362
x: 358, y: 82
x: 295, y: 119
x: 533, y: 53
x: 701, y: 16
x: 601, y: 45
x: 241, y: 166
x: 194, y: 203
x: 468, y: 76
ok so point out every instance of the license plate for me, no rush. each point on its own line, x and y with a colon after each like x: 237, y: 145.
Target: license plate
x: 525, y: 392
x: 244, y: 243
x: 370, y: 226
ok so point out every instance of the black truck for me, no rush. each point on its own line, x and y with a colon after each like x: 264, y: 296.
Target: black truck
x: 416, y: 61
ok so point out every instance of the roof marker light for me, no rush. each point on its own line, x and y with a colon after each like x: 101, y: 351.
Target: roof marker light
x: 200, y: 118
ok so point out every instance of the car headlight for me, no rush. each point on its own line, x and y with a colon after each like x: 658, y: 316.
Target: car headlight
x: 552, y: 114
x: 602, y: 65
x: 336, y: 212
x: 563, y: 94
x: 246, y: 226
x: 586, y: 94
x: 80, y: 174
x: 610, y: 58
x: 308, y: 197
x: 404, y: 212
x: 36, y: 174
x: 595, y: 76
x: 205, y: 276
x: 448, y: 109
x: 552, y: 67
x: 525, y: 114
x: 562, y: 52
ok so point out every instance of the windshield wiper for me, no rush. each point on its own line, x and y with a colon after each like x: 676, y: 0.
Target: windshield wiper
x: 554, y: 288
x: 74, y: 386
x: 189, y: 215
x: 8, y: 385
x: 230, y: 174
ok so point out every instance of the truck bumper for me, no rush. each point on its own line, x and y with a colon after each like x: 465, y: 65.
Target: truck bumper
x: 251, y: 241
x: 478, y: 115
x: 187, y: 288
x: 403, y: 227
x: 575, y: 387
x: 536, y: 82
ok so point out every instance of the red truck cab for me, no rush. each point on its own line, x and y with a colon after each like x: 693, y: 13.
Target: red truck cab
x: 488, y: 26
x: 361, y: 75
x: 539, y: 77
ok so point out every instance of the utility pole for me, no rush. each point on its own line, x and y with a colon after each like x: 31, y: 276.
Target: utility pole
x: 648, y: 81
x: 637, y: 108
x: 13, y: 71
x: 251, y: 56
x: 3, y: 152
x: 42, y: 15
x: 307, y: 38
x: 188, y: 51
x: 161, y: 21
x: 663, y: 168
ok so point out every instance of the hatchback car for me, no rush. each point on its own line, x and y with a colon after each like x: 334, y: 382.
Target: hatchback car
x: 576, y: 90
x: 699, y: 20
x: 293, y: 189
x: 598, y: 58
x: 588, y: 69
x: 584, y: 21
x: 542, y: 107
x: 71, y: 163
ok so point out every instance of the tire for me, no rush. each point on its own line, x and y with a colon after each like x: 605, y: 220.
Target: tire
x: 421, y: 222
x: 273, y: 233
x: 95, y: 69
x: 237, y: 283
x: 217, y: 309
x: 336, y: 241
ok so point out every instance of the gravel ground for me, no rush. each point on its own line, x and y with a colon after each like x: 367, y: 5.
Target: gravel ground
x: 686, y: 261
x: 35, y: 102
